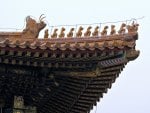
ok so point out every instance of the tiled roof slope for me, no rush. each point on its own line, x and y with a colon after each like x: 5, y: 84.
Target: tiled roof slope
x: 62, y: 75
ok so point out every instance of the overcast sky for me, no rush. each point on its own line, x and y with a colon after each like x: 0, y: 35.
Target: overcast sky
x: 130, y: 93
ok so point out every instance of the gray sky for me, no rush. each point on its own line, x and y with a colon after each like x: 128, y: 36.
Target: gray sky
x: 130, y: 93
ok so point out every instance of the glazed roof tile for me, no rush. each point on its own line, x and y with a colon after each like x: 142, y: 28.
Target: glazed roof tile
x: 62, y: 82
x: 72, y: 43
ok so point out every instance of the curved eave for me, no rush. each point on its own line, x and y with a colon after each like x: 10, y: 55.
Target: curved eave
x: 68, y: 43
x: 37, y: 51
x: 82, y: 70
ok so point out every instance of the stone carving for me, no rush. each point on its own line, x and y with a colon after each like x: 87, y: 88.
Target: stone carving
x: 113, y: 31
x: 122, y: 29
x: 79, y: 33
x: 33, y: 28
x: 104, y: 32
x: 62, y: 34
x: 70, y: 34
x: 96, y: 31
x: 88, y: 31
x: 54, y: 35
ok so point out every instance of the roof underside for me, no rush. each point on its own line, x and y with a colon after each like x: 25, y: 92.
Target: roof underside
x: 58, y: 76
x: 59, y: 93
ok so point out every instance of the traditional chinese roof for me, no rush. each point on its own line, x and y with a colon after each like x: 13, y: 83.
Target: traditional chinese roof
x: 63, y: 74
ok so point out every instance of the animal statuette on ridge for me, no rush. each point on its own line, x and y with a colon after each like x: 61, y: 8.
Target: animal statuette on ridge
x: 54, y: 35
x: 122, y: 29
x: 96, y: 31
x: 70, y: 34
x: 46, y: 34
x: 79, y: 33
x: 33, y: 28
x: 133, y: 27
x: 62, y: 32
x: 104, y: 32
x: 113, y: 31
x: 88, y: 32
